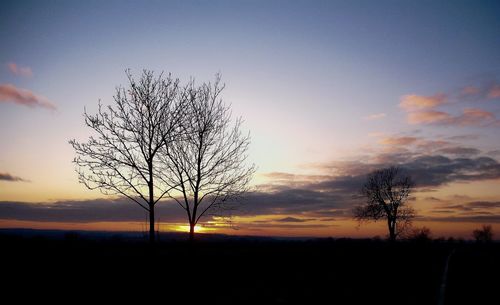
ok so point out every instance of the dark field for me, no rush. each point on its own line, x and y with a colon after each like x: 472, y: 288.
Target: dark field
x: 236, y: 271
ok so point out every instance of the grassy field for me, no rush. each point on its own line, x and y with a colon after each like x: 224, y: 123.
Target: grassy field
x: 249, y: 271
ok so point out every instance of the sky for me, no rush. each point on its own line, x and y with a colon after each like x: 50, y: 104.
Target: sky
x: 329, y: 90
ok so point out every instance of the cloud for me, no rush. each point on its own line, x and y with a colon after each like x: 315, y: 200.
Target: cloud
x: 10, y: 93
x: 18, y: 70
x: 9, y: 177
x: 311, y: 202
x: 423, y: 109
x: 474, y: 116
x: 261, y: 226
x: 438, y: 170
x: 470, y: 90
x: 414, y: 102
x: 474, y: 205
x: 469, y: 117
x: 403, y: 148
x: 494, y: 91
x: 469, y: 218
x: 398, y: 140
x: 293, y: 219
x: 428, y: 117
x: 458, y: 150
x: 86, y: 211
x: 315, y: 198
x: 375, y: 116
x: 464, y: 137
x: 294, y: 198
x: 488, y: 90
x: 427, y: 171
x: 484, y: 204
x: 335, y: 195
x: 426, y: 146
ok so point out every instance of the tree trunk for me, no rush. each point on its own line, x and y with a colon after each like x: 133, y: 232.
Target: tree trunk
x: 392, y: 229
x: 151, y: 223
x: 151, y: 201
x: 191, y: 231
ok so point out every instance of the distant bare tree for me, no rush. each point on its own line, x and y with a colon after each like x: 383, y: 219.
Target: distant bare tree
x: 122, y: 158
x: 207, y: 165
x: 485, y: 234
x: 387, y: 191
x: 422, y: 234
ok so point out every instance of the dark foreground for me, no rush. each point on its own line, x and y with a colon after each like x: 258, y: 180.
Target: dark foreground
x: 247, y: 271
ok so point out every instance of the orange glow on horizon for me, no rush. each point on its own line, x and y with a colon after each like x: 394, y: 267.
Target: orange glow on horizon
x: 337, y: 229
x: 186, y: 228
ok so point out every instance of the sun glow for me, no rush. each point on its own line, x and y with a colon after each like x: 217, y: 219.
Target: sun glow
x: 197, y: 229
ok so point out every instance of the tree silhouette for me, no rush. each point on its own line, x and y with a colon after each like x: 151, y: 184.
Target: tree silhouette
x: 122, y: 157
x: 485, y: 234
x: 387, y: 191
x: 422, y: 234
x: 207, y: 164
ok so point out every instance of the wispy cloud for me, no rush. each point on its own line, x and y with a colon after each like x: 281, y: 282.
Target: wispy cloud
x: 375, y: 116
x: 485, y: 91
x: 18, y: 70
x: 475, y: 116
x: 427, y: 110
x: 470, y: 218
x: 428, y: 117
x: 86, y: 211
x: 398, y: 140
x: 294, y: 219
x: 11, y: 178
x: 413, y: 102
x: 469, y: 117
x: 470, y: 90
x: 461, y: 151
x: 494, y: 91
x: 464, y: 137
x: 11, y: 94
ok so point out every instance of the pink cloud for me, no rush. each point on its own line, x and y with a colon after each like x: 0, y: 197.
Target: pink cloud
x: 494, y: 92
x: 469, y: 117
x: 10, y: 93
x: 486, y: 91
x: 414, y: 102
x: 428, y: 145
x: 18, y: 70
x: 470, y: 90
x: 398, y: 140
x: 474, y: 116
x: 428, y: 117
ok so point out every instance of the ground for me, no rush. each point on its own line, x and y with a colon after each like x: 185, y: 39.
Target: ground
x: 247, y: 271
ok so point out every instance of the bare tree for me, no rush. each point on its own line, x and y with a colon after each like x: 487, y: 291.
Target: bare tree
x: 485, y: 234
x: 387, y: 191
x: 122, y: 157
x: 422, y: 234
x: 207, y: 165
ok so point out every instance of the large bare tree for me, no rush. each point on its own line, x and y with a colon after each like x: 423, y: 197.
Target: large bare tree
x: 207, y: 164
x: 122, y: 157
x: 387, y: 191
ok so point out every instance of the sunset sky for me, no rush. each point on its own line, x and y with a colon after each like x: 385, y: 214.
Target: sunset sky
x: 329, y: 91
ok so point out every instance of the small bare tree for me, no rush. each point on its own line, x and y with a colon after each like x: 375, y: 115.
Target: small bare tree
x: 122, y: 158
x: 485, y: 234
x: 387, y: 191
x: 422, y: 234
x: 207, y: 165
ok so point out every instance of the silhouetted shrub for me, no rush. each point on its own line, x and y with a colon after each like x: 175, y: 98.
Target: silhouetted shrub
x: 485, y: 234
x: 422, y: 234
